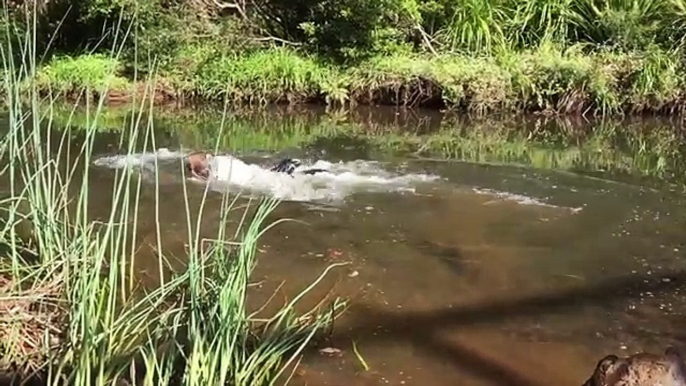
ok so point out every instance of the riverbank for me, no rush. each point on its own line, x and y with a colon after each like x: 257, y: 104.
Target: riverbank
x: 547, y: 79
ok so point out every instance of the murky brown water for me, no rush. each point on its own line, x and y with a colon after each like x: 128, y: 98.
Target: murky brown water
x: 455, y: 288
x: 449, y: 286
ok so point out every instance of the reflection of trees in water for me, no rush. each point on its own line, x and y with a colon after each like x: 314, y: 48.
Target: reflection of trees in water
x: 652, y: 147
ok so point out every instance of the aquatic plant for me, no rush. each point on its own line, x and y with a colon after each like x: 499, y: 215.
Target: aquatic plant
x: 76, y: 313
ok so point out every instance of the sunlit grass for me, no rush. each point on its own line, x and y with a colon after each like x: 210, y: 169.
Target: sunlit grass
x: 76, y: 275
x: 261, y: 77
x: 551, y: 77
x: 96, y: 72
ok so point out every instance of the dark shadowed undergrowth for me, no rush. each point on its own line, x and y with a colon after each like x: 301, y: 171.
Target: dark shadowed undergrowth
x: 73, y: 311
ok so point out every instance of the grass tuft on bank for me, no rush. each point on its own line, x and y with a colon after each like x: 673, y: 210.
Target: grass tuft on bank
x: 68, y: 75
x: 548, y: 78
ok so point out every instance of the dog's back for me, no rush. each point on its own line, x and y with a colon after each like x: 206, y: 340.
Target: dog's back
x: 288, y: 166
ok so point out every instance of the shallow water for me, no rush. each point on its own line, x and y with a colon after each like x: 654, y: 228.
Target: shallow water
x: 458, y: 272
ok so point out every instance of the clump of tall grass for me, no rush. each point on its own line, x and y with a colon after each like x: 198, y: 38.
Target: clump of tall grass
x: 94, y: 72
x: 658, y: 84
x: 264, y: 76
x: 551, y: 78
x: 473, y: 26
x: 476, y: 84
x: 102, y: 329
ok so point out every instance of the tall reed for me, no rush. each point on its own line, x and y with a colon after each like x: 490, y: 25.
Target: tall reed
x: 98, y: 328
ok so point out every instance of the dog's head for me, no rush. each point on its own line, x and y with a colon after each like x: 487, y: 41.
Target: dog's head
x: 607, y: 372
x: 198, y: 164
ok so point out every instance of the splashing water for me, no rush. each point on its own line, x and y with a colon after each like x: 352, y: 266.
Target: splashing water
x: 228, y: 173
x: 520, y: 199
x: 145, y: 161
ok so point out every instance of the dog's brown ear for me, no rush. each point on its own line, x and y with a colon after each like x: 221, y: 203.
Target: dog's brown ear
x: 601, y: 371
x: 606, y: 362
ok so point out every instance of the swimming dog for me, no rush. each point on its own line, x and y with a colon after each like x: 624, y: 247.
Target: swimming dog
x: 197, y: 164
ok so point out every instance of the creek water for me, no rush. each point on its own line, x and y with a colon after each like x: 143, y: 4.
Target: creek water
x: 458, y: 272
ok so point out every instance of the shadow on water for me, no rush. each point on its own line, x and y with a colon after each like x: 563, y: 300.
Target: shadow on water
x: 422, y: 329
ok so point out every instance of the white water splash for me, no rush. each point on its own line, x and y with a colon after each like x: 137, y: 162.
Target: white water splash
x: 521, y: 199
x: 145, y: 161
x: 341, y: 179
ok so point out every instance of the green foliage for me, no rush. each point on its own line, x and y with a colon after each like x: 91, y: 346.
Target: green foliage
x: 626, y: 24
x: 264, y: 76
x: 95, y: 72
x: 341, y: 29
x: 606, y: 56
x: 535, y: 21
x: 177, y: 37
x: 353, y: 30
x: 548, y: 78
x: 659, y: 81
x: 472, y: 25
x: 128, y: 9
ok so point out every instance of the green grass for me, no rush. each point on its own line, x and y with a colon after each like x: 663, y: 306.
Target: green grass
x: 549, y: 78
x: 94, y: 72
x: 270, y: 76
x: 75, y: 273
